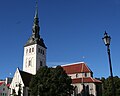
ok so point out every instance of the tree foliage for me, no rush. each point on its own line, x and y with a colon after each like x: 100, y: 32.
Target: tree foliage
x: 51, y: 82
x: 107, y: 86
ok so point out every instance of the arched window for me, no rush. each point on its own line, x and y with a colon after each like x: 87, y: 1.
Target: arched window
x: 41, y: 63
x: 76, y: 75
x: 26, y: 51
x: 30, y: 50
x: 38, y: 50
x: 29, y: 63
x: 43, y: 52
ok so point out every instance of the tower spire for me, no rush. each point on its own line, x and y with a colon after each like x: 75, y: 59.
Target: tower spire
x: 36, y: 12
x: 35, y: 38
x: 36, y: 27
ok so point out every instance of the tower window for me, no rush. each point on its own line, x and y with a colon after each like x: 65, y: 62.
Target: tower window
x: 26, y: 51
x: 30, y: 50
x: 29, y: 63
x: 39, y: 50
x: 40, y: 63
x: 43, y: 52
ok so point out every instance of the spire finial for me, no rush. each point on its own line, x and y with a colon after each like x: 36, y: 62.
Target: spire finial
x: 36, y: 27
x: 36, y: 13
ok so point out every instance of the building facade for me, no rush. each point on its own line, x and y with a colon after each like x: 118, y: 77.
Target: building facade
x: 82, y: 80
x: 4, y: 90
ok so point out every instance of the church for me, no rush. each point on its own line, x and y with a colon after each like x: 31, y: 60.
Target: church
x: 35, y: 57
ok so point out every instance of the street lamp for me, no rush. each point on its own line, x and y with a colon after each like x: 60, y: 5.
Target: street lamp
x: 107, y: 40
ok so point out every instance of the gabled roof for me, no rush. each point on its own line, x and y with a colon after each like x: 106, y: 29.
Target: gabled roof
x: 26, y: 77
x: 5, y: 83
x: 85, y: 80
x: 79, y: 67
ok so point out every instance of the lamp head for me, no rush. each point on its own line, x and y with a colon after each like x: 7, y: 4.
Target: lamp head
x: 106, y: 39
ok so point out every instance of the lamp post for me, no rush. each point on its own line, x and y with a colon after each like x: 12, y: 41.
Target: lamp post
x: 107, y: 40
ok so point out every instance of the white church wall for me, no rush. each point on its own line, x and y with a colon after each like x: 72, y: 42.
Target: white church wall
x: 34, y: 57
x: 29, y: 59
x: 15, y: 82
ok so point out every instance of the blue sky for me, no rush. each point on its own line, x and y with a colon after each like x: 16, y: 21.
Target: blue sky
x: 71, y: 29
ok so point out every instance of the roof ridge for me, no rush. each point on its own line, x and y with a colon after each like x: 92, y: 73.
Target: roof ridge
x: 72, y: 63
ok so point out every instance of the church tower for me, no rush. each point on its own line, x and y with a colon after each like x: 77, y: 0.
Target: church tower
x: 34, y: 49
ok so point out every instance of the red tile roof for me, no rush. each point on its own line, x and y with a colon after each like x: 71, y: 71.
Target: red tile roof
x: 1, y: 83
x: 8, y: 85
x: 85, y: 80
x: 76, y: 68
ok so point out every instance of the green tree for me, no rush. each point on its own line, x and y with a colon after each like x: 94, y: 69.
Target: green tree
x: 107, y: 86
x: 51, y: 82
x: 13, y: 92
